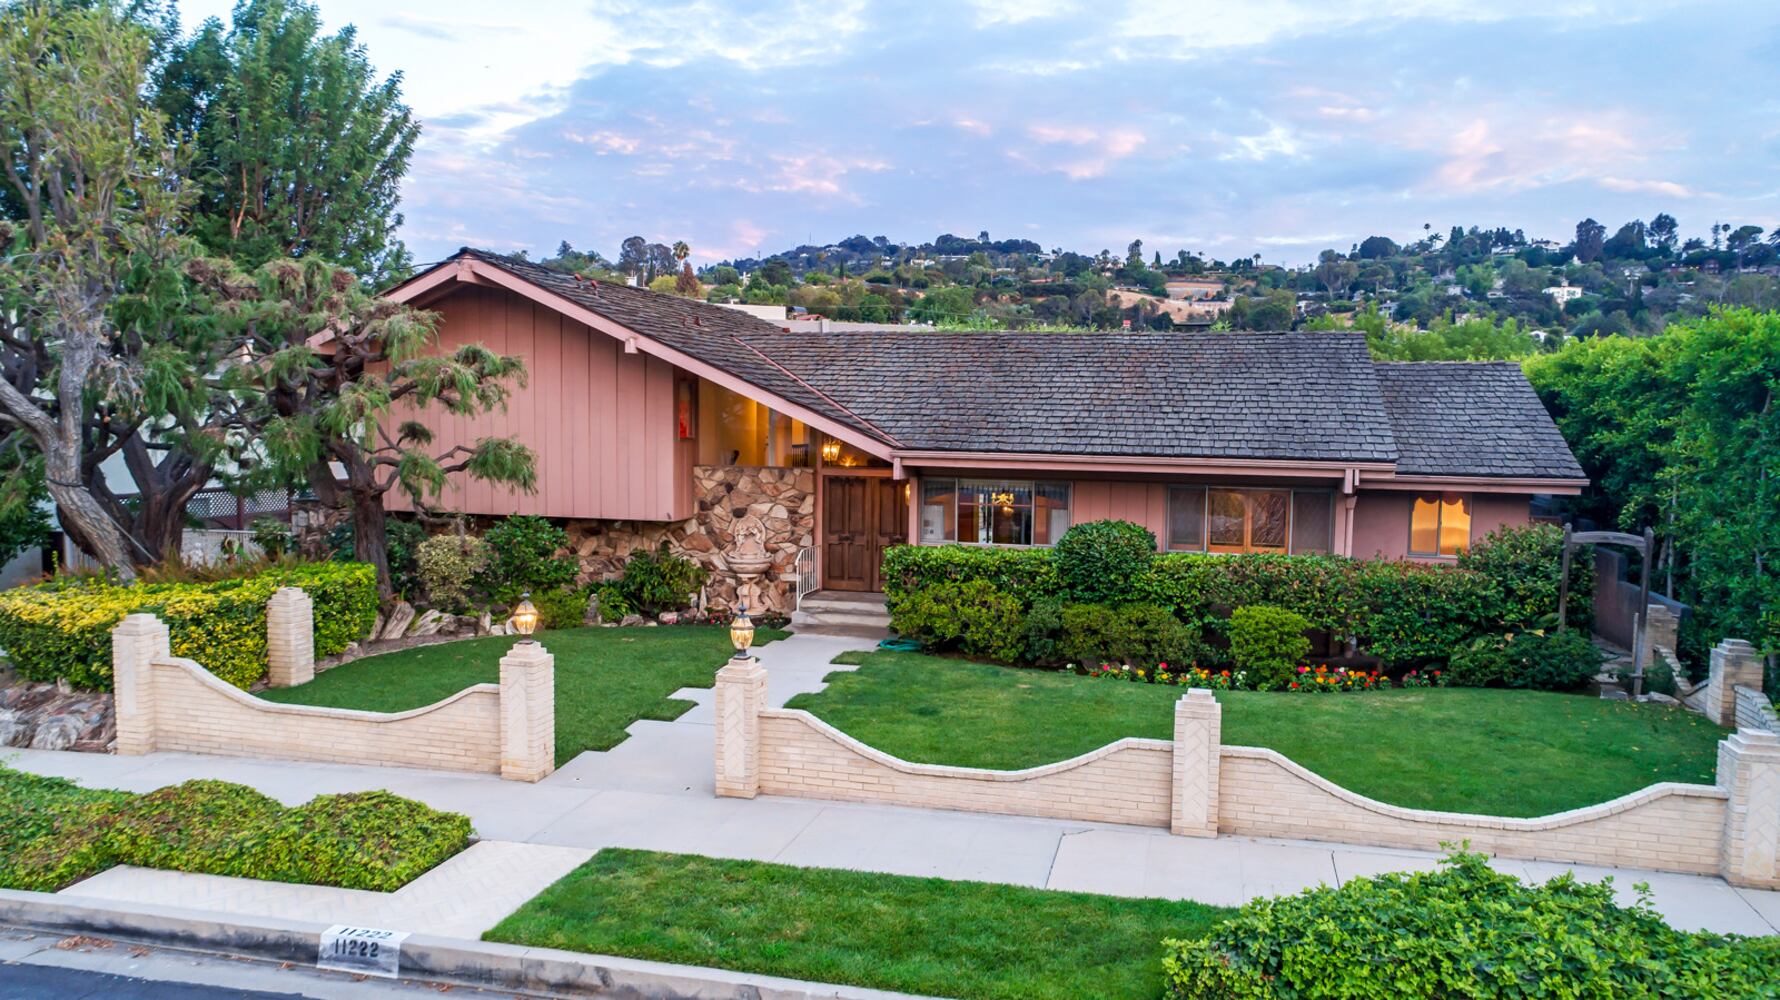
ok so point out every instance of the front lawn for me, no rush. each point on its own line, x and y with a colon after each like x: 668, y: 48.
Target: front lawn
x: 919, y: 935
x: 606, y: 678
x: 1505, y: 753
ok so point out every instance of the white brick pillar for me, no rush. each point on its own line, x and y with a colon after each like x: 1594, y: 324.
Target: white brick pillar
x: 741, y: 694
x: 1749, y: 769
x: 1198, y: 748
x: 528, y: 713
x: 1735, y: 664
x: 1660, y: 626
x: 136, y: 642
x: 290, y: 638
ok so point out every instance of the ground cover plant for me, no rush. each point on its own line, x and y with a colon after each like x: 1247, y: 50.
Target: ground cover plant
x: 606, y: 678
x: 919, y: 935
x: 1492, y: 751
x: 1465, y: 930
x: 57, y: 833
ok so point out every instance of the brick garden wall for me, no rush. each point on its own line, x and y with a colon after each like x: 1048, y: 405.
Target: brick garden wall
x: 1196, y: 786
x: 169, y: 703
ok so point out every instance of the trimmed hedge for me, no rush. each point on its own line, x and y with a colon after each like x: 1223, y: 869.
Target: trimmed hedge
x: 1405, y: 613
x: 58, y: 833
x: 1465, y: 930
x: 63, y: 628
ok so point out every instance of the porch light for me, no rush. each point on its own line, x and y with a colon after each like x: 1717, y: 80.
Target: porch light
x: 525, y: 617
x: 741, y: 633
x: 831, y: 450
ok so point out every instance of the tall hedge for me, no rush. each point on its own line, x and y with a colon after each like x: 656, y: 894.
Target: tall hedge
x: 1402, y: 612
x: 63, y: 628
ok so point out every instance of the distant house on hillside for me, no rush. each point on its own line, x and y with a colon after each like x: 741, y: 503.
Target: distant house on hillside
x: 1563, y: 292
x: 663, y: 420
x: 1194, y: 288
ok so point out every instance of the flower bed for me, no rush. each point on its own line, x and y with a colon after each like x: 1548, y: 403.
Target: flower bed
x: 1307, y: 679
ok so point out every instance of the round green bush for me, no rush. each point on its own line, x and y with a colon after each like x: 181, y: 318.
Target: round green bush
x: 1465, y: 930
x: 1104, y: 561
x: 1558, y: 660
x: 1269, y: 643
x: 973, y: 617
x: 564, y: 607
x: 522, y: 557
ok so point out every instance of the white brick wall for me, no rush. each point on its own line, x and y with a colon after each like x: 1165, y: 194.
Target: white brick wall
x: 1124, y: 782
x: 1669, y: 827
x: 170, y: 703
x: 1754, y: 711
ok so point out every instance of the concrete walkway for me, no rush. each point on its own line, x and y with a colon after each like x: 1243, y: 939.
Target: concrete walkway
x: 654, y: 791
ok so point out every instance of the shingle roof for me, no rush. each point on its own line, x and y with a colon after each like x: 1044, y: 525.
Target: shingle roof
x: 1469, y: 418
x: 1303, y: 396
x: 717, y: 336
x: 1173, y: 395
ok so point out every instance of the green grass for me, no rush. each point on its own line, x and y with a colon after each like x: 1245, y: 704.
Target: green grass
x: 606, y: 678
x: 917, y: 935
x: 1506, y: 753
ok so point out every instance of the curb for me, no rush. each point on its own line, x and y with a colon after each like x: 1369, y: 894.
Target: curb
x: 424, y: 956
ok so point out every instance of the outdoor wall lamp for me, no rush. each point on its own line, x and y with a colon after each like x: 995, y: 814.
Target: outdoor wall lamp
x: 525, y: 617
x: 831, y: 450
x: 741, y: 633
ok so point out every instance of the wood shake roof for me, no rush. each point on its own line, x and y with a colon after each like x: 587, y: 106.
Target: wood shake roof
x: 1284, y: 396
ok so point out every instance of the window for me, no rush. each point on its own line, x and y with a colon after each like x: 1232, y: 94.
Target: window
x: 993, y: 512
x: 735, y: 430
x: 1228, y: 519
x: 1440, y: 524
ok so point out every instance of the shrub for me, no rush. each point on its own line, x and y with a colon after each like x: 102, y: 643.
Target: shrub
x: 63, y: 628
x: 1465, y: 930
x: 972, y: 617
x: 1269, y: 643
x: 1559, y: 660
x: 613, y: 604
x: 57, y: 833
x: 1526, y: 565
x: 1415, y: 614
x: 446, y: 565
x: 1204, y: 589
x: 564, y: 607
x: 1044, y: 630
x: 1027, y: 575
x: 1142, y: 634
x: 272, y: 536
x: 522, y: 557
x: 660, y: 581
x: 1103, y: 561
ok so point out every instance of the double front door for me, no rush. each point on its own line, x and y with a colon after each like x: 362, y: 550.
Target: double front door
x: 861, y: 517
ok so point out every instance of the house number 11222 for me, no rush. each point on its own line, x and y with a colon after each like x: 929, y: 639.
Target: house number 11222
x: 365, y: 950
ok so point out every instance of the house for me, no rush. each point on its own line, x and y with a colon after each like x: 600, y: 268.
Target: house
x: 661, y: 419
x: 1194, y: 288
x: 1563, y: 292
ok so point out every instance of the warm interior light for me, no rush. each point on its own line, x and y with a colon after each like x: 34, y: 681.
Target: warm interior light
x: 741, y: 632
x: 525, y: 617
x: 831, y: 450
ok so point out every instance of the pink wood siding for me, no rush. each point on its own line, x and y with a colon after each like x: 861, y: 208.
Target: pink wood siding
x: 600, y: 421
x: 1381, y: 520
x: 1139, y: 503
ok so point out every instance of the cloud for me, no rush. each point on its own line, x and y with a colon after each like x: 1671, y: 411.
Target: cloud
x: 1669, y: 188
x: 1100, y: 149
x: 1276, y: 141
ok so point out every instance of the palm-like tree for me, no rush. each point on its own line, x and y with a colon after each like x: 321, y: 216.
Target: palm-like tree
x: 681, y: 250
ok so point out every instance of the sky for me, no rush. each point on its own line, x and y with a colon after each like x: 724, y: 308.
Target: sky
x: 1225, y: 127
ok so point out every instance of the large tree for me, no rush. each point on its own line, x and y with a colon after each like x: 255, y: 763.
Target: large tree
x: 345, y: 378
x: 95, y: 204
x: 1591, y: 236
x: 299, y: 146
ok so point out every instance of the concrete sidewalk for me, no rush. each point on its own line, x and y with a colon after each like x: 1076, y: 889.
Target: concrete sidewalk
x: 655, y: 791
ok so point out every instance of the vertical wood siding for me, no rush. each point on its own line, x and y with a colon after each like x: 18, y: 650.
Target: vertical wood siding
x: 600, y: 421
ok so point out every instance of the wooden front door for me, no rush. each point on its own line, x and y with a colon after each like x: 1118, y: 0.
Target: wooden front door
x: 861, y: 517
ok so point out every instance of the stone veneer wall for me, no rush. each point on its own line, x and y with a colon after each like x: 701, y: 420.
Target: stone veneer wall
x: 783, y: 499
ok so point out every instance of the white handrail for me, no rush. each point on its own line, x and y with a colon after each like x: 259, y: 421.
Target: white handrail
x: 805, y: 570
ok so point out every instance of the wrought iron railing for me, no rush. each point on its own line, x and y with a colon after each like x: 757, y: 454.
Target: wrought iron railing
x: 805, y: 571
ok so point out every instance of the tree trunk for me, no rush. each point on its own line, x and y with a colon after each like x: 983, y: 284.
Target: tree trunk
x: 90, y: 527
x: 370, y: 542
